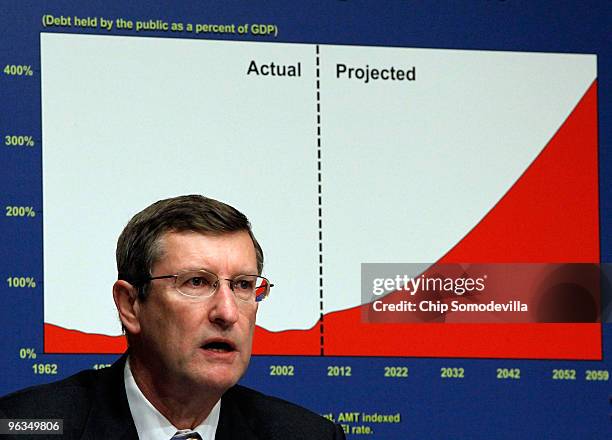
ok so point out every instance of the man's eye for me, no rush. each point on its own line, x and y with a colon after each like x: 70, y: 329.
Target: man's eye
x: 244, y: 285
x: 197, y: 282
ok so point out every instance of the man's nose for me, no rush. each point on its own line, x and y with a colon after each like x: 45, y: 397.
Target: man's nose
x: 224, y: 309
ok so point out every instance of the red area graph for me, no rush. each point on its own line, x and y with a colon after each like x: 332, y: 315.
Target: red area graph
x: 550, y: 215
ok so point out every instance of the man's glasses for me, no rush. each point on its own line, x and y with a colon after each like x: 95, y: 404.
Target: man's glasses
x: 203, y: 284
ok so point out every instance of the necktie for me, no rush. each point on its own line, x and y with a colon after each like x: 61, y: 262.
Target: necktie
x: 186, y: 435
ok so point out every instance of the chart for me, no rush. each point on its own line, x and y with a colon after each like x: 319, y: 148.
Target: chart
x: 341, y: 155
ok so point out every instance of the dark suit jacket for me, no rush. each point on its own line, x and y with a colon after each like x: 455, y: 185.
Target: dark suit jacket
x: 93, y: 405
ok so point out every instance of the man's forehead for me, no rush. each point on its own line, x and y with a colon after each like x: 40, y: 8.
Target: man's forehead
x: 211, y: 244
x: 195, y: 234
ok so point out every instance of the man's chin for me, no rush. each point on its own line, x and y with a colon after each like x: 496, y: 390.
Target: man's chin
x: 217, y: 378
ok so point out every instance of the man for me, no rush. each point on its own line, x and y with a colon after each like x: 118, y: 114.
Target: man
x: 188, y: 288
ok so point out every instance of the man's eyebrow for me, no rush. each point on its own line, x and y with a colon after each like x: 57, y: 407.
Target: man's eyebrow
x: 235, y: 274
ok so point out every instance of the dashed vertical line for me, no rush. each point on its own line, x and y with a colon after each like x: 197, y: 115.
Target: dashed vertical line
x: 320, y: 204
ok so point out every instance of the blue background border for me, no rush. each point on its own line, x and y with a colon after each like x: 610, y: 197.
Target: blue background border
x: 479, y: 406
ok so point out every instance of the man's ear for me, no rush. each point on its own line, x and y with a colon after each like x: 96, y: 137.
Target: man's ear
x: 128, y: 306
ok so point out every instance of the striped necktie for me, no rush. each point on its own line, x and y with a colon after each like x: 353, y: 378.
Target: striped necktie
x: 186, y: 435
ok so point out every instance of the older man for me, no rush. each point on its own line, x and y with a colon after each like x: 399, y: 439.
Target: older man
x: 187, y: 296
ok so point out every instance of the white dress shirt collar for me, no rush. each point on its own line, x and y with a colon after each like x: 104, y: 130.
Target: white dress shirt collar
x: 151, y: 424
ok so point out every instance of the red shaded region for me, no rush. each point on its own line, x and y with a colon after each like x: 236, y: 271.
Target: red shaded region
x: 550, y: 215
x: 289, y: 342
x: 501, y: 341
x: 61, y: 340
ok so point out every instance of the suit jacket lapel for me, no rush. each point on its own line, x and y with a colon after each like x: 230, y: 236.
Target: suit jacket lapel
x: 234, y: 424
x: 109, y: 416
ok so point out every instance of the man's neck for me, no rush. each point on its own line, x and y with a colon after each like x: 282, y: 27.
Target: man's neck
x: 183, y: 404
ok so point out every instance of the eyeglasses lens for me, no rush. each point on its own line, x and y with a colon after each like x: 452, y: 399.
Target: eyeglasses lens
x: 200, y: 283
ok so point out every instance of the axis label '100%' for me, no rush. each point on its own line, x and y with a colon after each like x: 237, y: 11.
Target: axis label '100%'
x: 21, y: 282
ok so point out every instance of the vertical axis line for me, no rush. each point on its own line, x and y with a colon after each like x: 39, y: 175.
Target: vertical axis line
x: 320, y: 205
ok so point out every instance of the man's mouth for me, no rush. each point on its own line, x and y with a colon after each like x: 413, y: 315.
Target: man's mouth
x: 219, y: 346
